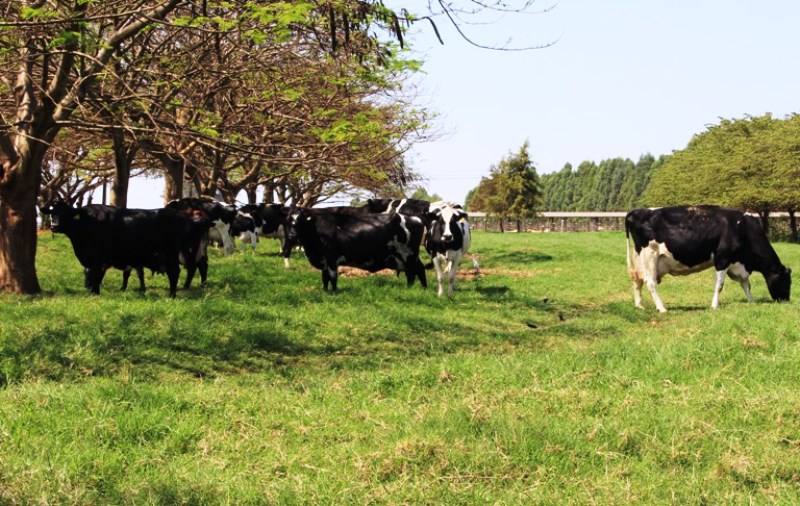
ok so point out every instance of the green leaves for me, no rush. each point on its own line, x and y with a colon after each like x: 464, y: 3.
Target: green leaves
x: 751, y: 163
x: 513, y: 188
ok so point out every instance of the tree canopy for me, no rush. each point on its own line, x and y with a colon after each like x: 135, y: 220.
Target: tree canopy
x: 752, y: 163
x: 615, y: 184
x: 301, y: 97
x: 512, y: 188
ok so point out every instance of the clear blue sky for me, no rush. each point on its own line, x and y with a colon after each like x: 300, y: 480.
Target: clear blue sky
x: 623, y: 78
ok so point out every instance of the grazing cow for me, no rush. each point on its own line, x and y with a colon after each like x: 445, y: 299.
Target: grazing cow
x: 447, y: 241
x: 272, y: 218
x: 107, y: 236
x: 686, y: 239
x: 332, y: 237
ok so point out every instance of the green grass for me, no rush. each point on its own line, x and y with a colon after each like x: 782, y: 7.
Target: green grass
x: 539, y: 383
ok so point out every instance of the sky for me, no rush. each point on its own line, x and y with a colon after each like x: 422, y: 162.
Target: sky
x: 618, y: 78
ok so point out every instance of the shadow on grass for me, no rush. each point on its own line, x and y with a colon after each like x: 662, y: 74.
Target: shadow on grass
x: 508, y: 258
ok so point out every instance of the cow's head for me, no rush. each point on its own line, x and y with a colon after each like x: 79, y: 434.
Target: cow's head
x: 447, y: 215
x: 62, y: 216
x: 779, y: 284
x: 294, y: 218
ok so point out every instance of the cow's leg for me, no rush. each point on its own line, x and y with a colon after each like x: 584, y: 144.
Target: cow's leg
x: 173, y: 272
x: 191, y: 268
x: 737, y: 272
x: 410, y: 270
x: 333, y: 275
x: 140, y: 274
x: 202, y: 266
x: 451, y: 270
x: 423, y: 280
x: 719, y: 283
x: 637, y: 291
x: 650, y: 266
x: 94, y: 278
x: 437, y: 265
x: 330, y: 274
x: 126, y: 274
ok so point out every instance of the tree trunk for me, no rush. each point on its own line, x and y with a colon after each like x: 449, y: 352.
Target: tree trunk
x: 124, y: 153
x: 250, y: 191
x: 173, y: 182
x: 764, y: 215
x: 18, y: 231
x: 793, y: 224
x: 519, y: 226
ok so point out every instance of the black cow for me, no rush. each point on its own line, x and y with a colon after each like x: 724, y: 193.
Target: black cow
x: 685, y: 239
x: 332, y: 237
x: 221, y: 216
x: 107, y: 236
x: 447, y: 241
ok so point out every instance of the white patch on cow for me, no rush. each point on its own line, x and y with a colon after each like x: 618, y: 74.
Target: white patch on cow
x: 389, y: 209
x: 221, y: 232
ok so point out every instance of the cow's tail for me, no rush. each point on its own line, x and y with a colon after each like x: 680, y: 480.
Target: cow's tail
x: 629, y: 249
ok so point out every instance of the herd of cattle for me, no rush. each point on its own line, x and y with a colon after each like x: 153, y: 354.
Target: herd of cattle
x: 388, y: 234
x: 382, y: 234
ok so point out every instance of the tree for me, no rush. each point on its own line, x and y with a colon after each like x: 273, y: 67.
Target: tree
x: 180, y: 80
x: 615, y: 184
x: 751, y: 164
x: 512, y: 190
x: 57, y: 58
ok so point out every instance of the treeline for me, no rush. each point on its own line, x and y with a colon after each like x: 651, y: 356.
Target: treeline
x: 615, y: 184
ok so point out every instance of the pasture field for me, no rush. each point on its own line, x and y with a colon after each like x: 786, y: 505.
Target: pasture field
x: 540, y: 383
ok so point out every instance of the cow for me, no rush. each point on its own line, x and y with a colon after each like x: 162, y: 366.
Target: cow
x: 334, y: 237
x: 685, y: 239
x: 272, y: 218
x: 413, y: 207
x: 447, y: 241
x: 106, y: 236
x: 221, y: 216
x: 245, y: 226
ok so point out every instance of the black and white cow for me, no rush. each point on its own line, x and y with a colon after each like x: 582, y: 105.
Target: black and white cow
x: 685, y: 239
x: 412, y: 207
x: 448, y: 240
x: 107, y: 236
x: 332, y: 237
x: 245, y: 226
x: 272, y: 218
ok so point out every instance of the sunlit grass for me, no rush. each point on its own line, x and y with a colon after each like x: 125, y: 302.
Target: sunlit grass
x: 539, y: 383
